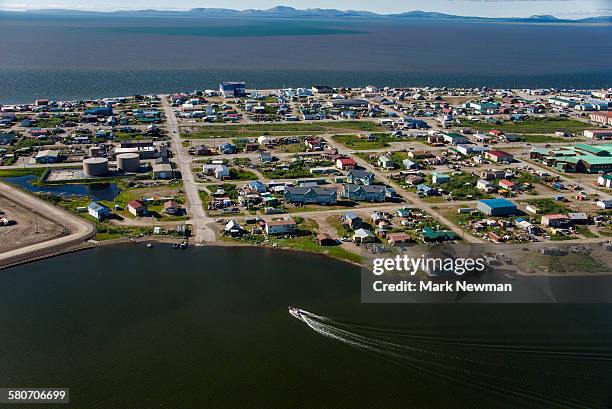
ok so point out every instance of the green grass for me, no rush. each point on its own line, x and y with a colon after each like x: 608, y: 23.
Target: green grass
x: 48, y: 122
x: 354, y: 142
x: 585, y: 232
x: 242, y: 174
x: 543, y: 139
x: 7, y: 173
x: 458, y: 189
x: 296, y: 170
x: 570, y: 263
x: 548, y: 206
x: 279, y: 129
x: 531, y: 125
x: 341, y: 229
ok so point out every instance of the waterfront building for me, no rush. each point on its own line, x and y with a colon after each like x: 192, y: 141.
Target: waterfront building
x: 233, y: 89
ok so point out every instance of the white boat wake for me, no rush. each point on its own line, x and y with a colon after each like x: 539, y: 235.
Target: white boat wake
x: 500, y: 372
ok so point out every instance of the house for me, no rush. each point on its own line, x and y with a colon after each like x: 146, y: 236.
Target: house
x: 352, y: 220
x: 281, y: 227
x: 439, y: 178
x: 7, y: 138
x: 360, y: 177
x: 265, y: 156
x: 579, y: 218
x: 484, y: 185
x: 420, y: 154
x: 162, y: 171
x: 47, y: 156
x: 454, y: 139
x: 221, y: 172
x: 410, y: 165
x: 605, y: 180
x: 497, y: 207
x: 202, y: 150
x: 310, y: 195
x: 506, y: 184
x: 233, y: 228
x: 322, y: 89
x: 397, y: 238
x: 498, y: 156
x: 425, y: 190
x: 137, y: 208
x: 596, y: 133
x: 227, y: 148
x: 232, y: 89
x: 363, y: 193
x: 603, y: 117
x: 172, y: 207
x: 325, y: 239
x: 413, y: 180
x: 98, y: 211
x: 404, y: 212
x: 345, y: 163
x: 604, y: 204
x: 257, y: 186
x: 556, y: 220
x: 385, y: 162
x: 430, y: 235
x: 364, y: 236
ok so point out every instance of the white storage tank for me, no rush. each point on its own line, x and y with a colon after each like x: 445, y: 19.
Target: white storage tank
x: 128, y: 162
x: 95, y: 167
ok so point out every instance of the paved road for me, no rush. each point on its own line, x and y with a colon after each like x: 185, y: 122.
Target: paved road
x: 80, y: 230
x: 199, y: 220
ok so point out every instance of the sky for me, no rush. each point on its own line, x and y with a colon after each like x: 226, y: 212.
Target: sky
x: 486, y: 8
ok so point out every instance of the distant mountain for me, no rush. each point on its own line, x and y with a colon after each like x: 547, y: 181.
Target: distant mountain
x: 290, y: 12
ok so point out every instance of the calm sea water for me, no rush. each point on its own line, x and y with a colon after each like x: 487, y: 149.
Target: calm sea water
x: 128, y: 327
x: 96, y: 191
x: 93, y: 56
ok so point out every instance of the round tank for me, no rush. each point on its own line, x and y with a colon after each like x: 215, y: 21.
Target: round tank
x: 128, y: 162
x: 95, y: 167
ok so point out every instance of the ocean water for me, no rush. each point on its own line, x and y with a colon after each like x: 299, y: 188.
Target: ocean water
x: 126, y: 327
x: 102, y: 56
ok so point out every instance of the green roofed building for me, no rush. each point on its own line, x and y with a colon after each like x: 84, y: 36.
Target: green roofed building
x: 430, y: 235
x: 581, y: 158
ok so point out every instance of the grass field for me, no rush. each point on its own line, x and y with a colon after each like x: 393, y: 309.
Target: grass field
x: 549, y: 206
x: 531, y: 126
x: 278, y: 129
x: 354, y: 142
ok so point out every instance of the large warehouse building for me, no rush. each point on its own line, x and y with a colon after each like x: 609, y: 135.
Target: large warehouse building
x: 497, y: 207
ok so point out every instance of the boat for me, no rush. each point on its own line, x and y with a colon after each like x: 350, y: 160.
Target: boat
x: 510, y: 277
x: 184, y: 245
x: 175, y: 245
x: 297, y: 313
x: 149, y: 245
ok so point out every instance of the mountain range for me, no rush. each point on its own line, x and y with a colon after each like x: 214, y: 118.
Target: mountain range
x: 290, y: 12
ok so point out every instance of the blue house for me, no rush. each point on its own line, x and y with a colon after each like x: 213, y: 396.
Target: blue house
x: 99, y: 111
x: 232, y: 89
x: 98, y: 211
x: 227, y: 148
x: 257, y: 186
x: 410, y: 165
x: 360, y: 177
x: 425, y: 190
x: 361, y: 193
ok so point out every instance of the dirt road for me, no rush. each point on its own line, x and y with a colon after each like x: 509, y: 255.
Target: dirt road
x: 58, y: 230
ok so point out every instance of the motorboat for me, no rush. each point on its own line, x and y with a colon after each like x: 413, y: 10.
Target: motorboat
x: 297, y: 313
